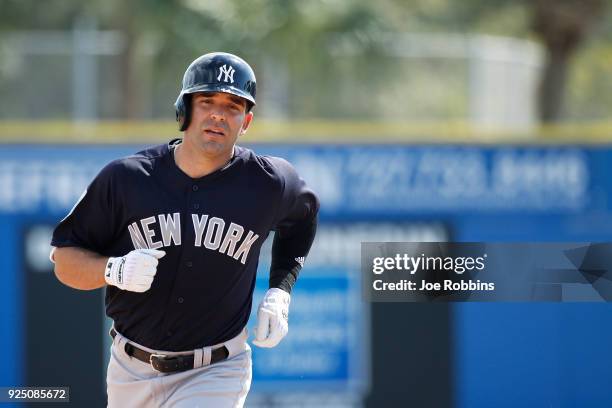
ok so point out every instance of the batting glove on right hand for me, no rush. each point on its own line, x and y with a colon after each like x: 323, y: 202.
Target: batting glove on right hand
x: 134, y: 271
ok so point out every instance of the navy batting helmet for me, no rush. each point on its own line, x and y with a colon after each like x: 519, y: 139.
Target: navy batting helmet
x: 215, y: 72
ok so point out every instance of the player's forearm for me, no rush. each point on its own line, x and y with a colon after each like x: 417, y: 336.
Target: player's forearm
x: 79, y: 268
x: 289, y: 251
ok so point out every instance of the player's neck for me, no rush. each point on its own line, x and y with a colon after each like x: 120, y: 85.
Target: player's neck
x: 197, y: 165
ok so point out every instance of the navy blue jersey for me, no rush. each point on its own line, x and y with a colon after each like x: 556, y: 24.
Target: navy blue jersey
x: 211, y: 229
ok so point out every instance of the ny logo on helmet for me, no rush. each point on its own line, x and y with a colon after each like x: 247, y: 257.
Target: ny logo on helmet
x: 228, y: 72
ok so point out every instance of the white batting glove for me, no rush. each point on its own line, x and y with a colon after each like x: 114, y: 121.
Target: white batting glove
x: 134, y: 271
x: 272, y: 318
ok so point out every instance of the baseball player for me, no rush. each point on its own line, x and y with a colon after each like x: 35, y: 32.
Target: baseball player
x: 174, y: 232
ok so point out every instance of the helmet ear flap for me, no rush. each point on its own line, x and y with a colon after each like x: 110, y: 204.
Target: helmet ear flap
x: 183, y: 111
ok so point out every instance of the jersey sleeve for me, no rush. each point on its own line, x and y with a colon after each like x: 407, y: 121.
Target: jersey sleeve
x: 295, y: 228
x: 92, y: 223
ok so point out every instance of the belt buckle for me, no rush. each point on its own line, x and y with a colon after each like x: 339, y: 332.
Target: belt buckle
x: 169, y: 364
x: 153, y: 362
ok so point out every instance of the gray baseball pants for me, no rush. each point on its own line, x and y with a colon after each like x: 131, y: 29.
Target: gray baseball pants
x: 133, y: 383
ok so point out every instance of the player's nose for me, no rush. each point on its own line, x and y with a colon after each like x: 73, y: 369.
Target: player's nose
x: 217, y: 114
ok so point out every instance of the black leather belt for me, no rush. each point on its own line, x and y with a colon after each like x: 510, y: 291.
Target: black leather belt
x: 170, y: 364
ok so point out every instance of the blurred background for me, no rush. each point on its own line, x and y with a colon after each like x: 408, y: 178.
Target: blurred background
x: 473, y: 120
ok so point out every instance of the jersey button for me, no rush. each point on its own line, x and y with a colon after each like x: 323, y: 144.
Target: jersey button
x: 196, y: 206
x: 169, y: 333
x: 189, y: 264
x: 195, y: 188
x: 180, y: 300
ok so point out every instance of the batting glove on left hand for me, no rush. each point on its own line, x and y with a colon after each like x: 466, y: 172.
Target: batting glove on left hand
x: 272, y: 318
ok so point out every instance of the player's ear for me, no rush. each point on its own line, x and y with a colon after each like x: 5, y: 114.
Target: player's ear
x: 248, y: 118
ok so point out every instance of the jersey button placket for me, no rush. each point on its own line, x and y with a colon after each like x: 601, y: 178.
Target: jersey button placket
x: 195, y: 188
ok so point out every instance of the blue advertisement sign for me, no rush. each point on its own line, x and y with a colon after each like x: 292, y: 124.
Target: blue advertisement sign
x: 368, y: 193
x: 325, y: 324
x: 357, y: 180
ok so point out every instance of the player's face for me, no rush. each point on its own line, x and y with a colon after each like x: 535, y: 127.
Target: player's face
x: 217, y: 120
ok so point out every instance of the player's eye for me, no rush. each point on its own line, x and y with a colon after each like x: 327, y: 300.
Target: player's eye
x: 203, y: 101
